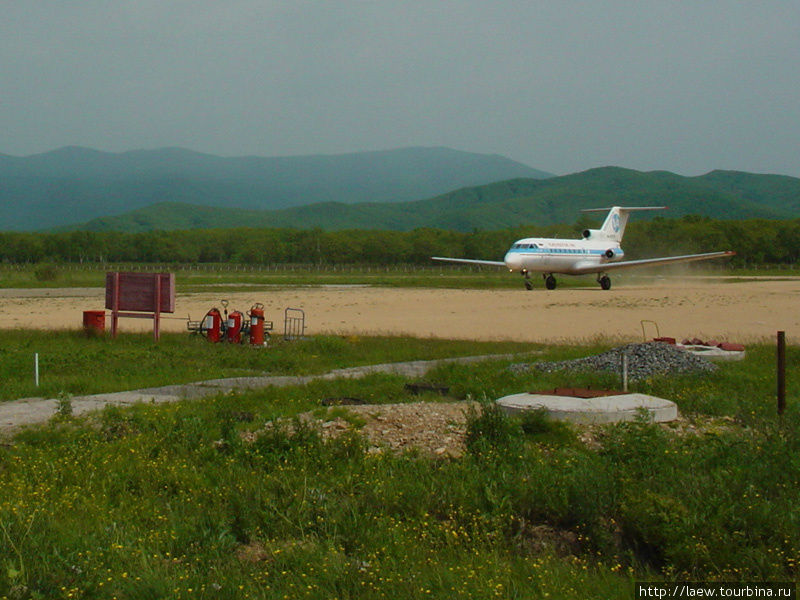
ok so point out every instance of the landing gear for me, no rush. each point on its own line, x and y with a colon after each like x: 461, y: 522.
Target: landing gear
x: 528, y: 282
x: 549, y: 280
x: 604, y: 281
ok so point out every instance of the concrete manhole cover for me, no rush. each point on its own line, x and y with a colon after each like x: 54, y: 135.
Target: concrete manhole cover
x: 587, y: 411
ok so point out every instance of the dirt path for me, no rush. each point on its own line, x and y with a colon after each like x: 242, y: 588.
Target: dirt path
x: 735, y: 311
x: 32, y: 411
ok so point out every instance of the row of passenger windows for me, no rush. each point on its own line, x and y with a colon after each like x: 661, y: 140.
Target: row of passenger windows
x: 553, y: 250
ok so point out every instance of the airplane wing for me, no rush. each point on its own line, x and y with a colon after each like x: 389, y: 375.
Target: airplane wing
x: 628, y: 264
x: 469, y: 261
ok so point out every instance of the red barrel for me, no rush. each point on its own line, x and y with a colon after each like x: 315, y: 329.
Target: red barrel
x: 257, y: 325
x: 94, y: 321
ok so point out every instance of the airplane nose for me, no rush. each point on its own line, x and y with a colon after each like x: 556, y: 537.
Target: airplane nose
x: 513, y: 261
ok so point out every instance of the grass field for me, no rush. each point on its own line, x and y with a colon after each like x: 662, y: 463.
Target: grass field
x: 190, y: 277
x: 193, y: 277
x: 72, y: 363
x: 172, y: 501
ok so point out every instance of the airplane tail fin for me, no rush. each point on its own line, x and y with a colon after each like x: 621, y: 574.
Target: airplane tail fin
x: 614, y: 226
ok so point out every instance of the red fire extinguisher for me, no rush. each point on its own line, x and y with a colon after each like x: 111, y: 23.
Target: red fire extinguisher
x: 234, y: 327
x: 256, y: 314
x: 211, y: 326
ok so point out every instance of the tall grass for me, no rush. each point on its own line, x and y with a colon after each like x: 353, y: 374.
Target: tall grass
x: 170, y: 501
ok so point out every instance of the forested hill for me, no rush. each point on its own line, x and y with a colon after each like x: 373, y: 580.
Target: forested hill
x: 73, y: 185
x: 719, y: 194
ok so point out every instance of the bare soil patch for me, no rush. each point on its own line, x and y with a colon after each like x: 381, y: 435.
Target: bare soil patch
x: 741, y: 311
x: 436, y: 429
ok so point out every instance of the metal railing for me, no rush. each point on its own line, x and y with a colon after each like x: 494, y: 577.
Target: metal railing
x: 294, y: 324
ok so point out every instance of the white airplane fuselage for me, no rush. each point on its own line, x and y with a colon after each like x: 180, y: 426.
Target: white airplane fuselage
x: 571, y: 257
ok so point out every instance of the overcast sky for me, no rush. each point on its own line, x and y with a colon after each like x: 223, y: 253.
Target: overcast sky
x: 685, y: 86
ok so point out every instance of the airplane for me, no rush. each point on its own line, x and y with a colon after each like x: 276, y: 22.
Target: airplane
x: 599, y: 252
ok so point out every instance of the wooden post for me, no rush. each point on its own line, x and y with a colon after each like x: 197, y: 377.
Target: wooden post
x: 781, y: 372
x: 625, y: 372
x: 157, y: 312
x: 115, y: 306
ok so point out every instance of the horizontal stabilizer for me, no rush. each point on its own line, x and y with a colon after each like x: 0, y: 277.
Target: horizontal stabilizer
x: 624, y: 208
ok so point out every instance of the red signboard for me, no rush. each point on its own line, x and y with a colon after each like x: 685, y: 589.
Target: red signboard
x: 137, y: 292
x: 140, y: 295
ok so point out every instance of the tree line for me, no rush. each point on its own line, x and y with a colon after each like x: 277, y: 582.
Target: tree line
x: 756, y: 242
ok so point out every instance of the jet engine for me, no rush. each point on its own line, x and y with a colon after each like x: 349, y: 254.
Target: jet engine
x: 609, y: 253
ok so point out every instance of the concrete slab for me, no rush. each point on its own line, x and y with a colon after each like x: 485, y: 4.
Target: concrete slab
x: 714, y: 353
x: 588, y: 411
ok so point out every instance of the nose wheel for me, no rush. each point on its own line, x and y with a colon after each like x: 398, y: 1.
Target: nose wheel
x: 528, y: 282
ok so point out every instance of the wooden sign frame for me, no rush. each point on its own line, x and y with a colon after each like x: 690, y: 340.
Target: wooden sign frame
x: 140, y: 296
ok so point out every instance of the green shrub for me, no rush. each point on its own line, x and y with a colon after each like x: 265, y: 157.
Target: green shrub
x: 489, y: 429
x: 658, y: 529
x: 46, y: 272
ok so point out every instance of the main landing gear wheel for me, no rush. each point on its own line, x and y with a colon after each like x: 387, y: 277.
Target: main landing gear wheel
x: 605, y: 282
x: 550, y: 282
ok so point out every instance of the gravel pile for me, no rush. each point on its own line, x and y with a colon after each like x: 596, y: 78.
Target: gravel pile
x: 644, y: 360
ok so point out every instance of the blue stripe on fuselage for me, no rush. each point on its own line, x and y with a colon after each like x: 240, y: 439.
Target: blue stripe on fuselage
x: 618, y: 251
x: 554, y: 251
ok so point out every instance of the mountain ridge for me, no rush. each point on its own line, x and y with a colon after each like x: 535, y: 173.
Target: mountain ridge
x: 725, y: 195
x: 76, y: 184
